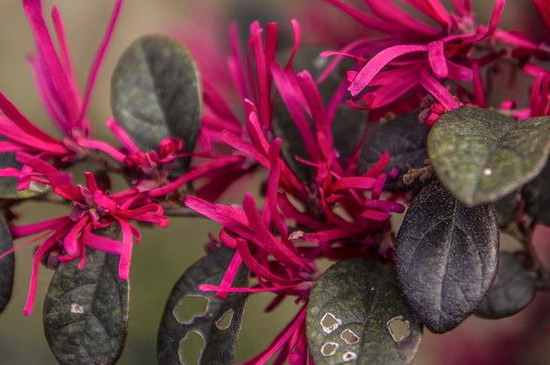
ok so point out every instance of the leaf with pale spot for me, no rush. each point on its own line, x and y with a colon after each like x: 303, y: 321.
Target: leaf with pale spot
x: 358, y: 315
x: 219, y: 341
x: 86, y: 311
x: 481, y: 155
x: 447, y: 257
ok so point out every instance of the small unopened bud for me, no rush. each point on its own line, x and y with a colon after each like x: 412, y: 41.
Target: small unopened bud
x: 51, y: 260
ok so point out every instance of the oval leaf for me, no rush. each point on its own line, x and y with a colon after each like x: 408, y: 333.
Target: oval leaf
x: 155, y: 92
x: 505, y: 209
x: 348, y: 127
x: 447, y: 257
x: 405, y: 139
x: 357, y: 314
x: 513, y: 290
x: 7, y: 265
x: 537, y: 196
x: 481, y: 155
x: 293, y: 144
x: 219, y: 339
x: 86, y: 311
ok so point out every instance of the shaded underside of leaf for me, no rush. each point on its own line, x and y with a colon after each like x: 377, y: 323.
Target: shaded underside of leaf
x: 293, y: 143
x: 537, y: 196
x: 505, y: 208
x: 348, y: 127
x: 405, y: 139
x: 244, y: 12
x: 86, y: 311
x: 155, y: 92
x: 352, y: 316
x: 7, y: 265
x: 481, y: 155
x: 219, y: 341
x: 514, y: 288
x: 447, y: 257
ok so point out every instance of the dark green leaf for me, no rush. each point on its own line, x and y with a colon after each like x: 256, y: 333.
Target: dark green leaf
x: 155, y: 92
x: 244, y: 12
x: 357, y: 315
x: 405, y: 139
x: 447, y: 257
x: 505, y: 208
x: 513, y: 289
x: 347, y: 129
x: 86, y: 311
x: 293, y: 143
x: 219, y: 339
x: 308, y: 58
x: 7, y: 265
x: 537, y: 196
x: 481, y: 155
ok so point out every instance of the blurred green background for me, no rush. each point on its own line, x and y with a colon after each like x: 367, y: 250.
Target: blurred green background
x: 164, y: 254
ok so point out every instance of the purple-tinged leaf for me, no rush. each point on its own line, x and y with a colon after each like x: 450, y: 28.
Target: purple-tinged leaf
x: 405, y: 139
x: 348, y: 128
x: 447, y: 257
x: 514, y: 288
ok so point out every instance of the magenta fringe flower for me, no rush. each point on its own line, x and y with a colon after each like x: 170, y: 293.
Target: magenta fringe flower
x: 407, y: 58
x: 56, y: 83
x: 93, y: 209
x: 284, y: 261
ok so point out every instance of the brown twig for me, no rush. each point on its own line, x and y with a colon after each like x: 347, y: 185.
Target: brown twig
x: 421, y: 175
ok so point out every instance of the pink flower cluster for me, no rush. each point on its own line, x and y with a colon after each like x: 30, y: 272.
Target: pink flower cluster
x: 444, y: 54
x: 94, y: 206
x: 436, y: 62
x: 339, y: 214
